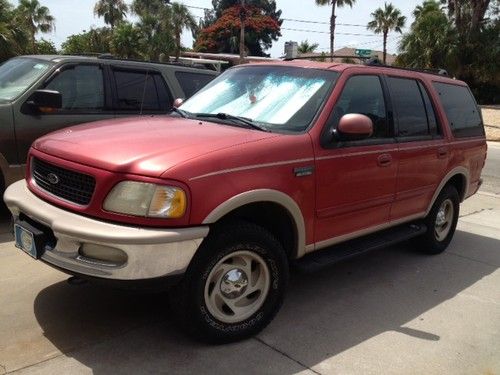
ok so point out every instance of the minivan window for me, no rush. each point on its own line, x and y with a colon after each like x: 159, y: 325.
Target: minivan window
x: 192, y: 82
x: 17, y: 74
x: 141, y: 91
x: 461, y: 109
x: 363, y: 94
x: 409, y: 107
x: 81, y: 87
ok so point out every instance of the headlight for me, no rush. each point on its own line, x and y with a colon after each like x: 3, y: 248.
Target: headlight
x: 145, y: 199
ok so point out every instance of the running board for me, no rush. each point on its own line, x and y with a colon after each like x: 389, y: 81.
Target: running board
x: 323, y: 258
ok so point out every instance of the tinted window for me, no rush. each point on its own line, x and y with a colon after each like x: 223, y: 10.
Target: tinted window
x: 81, y: 87
x: 192, y: 82
x: 141, y: 91
x: 461, y: 109
x: 408, y: 106
x: 431, y: 115
x: 363, y: 94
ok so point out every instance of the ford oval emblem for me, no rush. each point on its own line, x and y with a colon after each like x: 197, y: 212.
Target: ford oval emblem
x: 52, y: 178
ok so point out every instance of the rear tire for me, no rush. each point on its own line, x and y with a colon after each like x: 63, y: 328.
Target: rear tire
x: 441, y: 222
x: 234, y: 286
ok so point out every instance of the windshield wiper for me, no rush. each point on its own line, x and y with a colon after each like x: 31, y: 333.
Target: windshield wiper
x: 226, y: 116
x: 180, y: 112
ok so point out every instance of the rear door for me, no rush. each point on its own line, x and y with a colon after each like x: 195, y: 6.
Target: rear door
x: 85, y: 98
x: 423, y: 151
x: 139, y: 91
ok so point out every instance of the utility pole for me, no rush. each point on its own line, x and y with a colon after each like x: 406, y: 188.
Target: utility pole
x: 242, y: 32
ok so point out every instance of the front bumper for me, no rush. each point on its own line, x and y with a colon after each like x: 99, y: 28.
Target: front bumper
x: 150, y: 253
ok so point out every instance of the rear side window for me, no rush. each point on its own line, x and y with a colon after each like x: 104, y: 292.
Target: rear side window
x: 141, y: 91
x: 431, y: 115
x: 409, y: 107
x: 192, y: 82
x: 461, y: 110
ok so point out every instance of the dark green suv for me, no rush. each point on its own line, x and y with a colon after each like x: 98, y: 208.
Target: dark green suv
x: 39, y: 94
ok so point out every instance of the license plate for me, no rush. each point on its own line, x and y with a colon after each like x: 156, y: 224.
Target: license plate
x: 25, y: 240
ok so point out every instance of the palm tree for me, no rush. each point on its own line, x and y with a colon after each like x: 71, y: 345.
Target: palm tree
x: 426, y: 7
x: 127, y: 40
x: 13, y: 37
x: 181, y: 19
x: 305, y: 47
x: 431, y: 41
x: 113, y: 11
x: 334, y: 4
x: 36, y: 18
x: 386, y: 20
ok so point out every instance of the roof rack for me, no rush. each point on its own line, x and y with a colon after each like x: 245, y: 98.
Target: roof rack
x: 372, y: 61
x: 377, y: 62
x: 109, y: 56
x: 326, y: 57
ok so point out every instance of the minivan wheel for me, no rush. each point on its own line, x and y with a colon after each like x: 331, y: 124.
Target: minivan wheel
x: 234, y: 286
x: 441, y: 222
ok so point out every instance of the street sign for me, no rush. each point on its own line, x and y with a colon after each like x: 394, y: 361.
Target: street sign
x: 363, y: 52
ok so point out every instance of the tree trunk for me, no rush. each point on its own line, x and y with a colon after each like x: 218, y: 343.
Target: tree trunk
x: 385, y: 47
x: 33, y: 41
x: 479, y: 8
x: 242, y: 32
x: 177, y: 45
x: 332, y: 30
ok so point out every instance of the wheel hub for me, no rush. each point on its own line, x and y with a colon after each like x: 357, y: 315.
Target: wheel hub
x: 234, y: 283
x: 441, y: 217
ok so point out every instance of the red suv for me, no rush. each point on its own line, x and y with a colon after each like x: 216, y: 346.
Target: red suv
x: 269, y: 165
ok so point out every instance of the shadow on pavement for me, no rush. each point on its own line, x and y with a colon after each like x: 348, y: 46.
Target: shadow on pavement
x: 325, y: 313
x: 5, y: 224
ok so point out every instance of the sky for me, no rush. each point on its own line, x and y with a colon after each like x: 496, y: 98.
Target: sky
x: 74, y: 16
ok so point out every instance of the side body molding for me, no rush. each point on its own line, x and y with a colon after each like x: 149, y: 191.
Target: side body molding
x: 265, y: 195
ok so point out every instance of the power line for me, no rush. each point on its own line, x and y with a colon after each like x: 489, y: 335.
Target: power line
x: 325, y: 32
x: 322, y: 23
x: 295, y: 20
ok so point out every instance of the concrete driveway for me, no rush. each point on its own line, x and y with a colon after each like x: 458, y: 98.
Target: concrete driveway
x: 392, y: 311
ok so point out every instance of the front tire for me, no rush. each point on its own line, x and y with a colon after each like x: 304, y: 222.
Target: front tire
x: 234, y: 286
x: 441, y: 222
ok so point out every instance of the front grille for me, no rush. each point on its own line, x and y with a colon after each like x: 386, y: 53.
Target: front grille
x: 68, y: 185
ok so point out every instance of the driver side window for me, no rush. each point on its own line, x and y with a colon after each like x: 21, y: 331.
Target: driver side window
x: 363, y: 94
x: 81, y: 87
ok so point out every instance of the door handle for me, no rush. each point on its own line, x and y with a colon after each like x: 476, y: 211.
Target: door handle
x: 442, y: 152
x: 384, y: 160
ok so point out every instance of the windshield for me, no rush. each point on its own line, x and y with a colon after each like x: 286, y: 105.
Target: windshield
x: 279, y: 97
x: 16, y: 75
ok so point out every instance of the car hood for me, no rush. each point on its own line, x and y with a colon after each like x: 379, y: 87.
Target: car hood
x: 143, y: 145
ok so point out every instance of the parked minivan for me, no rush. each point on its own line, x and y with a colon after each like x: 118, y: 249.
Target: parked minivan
x: 43, y: 93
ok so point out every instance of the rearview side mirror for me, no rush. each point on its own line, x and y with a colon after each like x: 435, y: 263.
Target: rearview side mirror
x: 354, y: 126
x: 178, y: 102
x: 44, y: 101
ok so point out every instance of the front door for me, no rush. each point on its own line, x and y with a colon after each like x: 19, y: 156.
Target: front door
x: 84, y: 99
x: 356, y: 180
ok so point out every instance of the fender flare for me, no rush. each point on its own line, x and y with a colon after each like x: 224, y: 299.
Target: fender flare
x: 264, y: 195
x: 454, y: 172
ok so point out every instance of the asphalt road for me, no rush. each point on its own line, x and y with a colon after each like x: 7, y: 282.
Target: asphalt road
x: 392, y: 311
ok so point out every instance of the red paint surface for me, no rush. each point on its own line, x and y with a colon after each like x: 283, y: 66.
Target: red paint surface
x: 351, y: 188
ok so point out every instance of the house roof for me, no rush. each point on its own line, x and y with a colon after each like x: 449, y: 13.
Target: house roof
x: 346, y: 51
